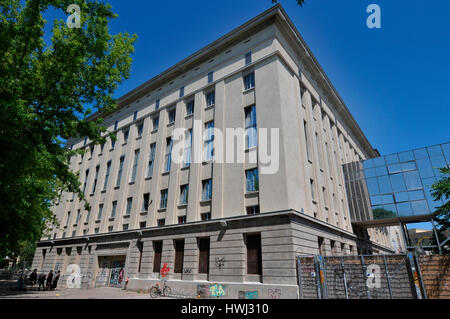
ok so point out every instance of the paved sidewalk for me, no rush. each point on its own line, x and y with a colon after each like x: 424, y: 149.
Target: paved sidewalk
x: 66, y: 293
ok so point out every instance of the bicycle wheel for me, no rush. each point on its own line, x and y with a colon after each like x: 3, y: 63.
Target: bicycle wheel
x: 154, y: 292
x: 166, y: 291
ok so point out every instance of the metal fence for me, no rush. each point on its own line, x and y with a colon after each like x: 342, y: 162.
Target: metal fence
x: 359, y: 277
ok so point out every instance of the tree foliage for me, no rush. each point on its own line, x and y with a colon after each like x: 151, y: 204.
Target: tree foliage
x: 441, y: 191
x: 47, y: 92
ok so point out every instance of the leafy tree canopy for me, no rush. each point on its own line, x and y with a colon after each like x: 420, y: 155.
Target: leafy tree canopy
x: 441, y: 191
x: 47, y: 93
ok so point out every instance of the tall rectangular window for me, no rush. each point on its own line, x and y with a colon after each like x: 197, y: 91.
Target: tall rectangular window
x: 250, y: 127
x: 172, y: 115
x: 249, y: 81
x: 146, y: 202
x: 135, y: 115
x: 68, y: 219
x: 168, y: 161
x: 108, y: 169
x: 140, y: 129
x: 155, y: 121
x: 129, y: 205
x: 157, y: 251
x: 182, y: 91
x: 325, y: 197
x: 319, y: 152
x: 252, y: 180
x: 114, y: 209
x: 210, y: 98
x: 187, y: 149
x: 78, y: 216
x: 308, y: 147
x: 313, y: 192
x: 207, y: 189
x: 135, y: 165
x: 248, y: 58
x: 157, y: 104
x: 100, y: 212
x: 97, y: 169
x: 126, y: 133
x: 209, y: 141
x: 85, y: 181
x: 113, y: 143
x: 184, y: 192
x: 179, y: 256
x: 119, y: 175
x: 163, y: 203
x: 203, y: 260
x: 190, y: 107
x: 210, y: 77
x: 151, y: 160
x: 254, y: 258
x: 141, y: 250
x: 115, y: 125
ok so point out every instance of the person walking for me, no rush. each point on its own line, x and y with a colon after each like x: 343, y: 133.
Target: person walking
x: 41, y: 282
x: 33, y: 278
x: 49, y: 280
x: 55, y: 280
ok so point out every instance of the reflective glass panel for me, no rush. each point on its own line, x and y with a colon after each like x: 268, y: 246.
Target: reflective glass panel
x: 435, y: 150
x: 383, y: 212
x: 412, y: 180
x: 416, y: 195
x: 392, y: 159
x: 387, y: 199
x: 425, y: 169
x: 394, y: 168
x: 406, y: 156
x: 371, y: 172
x: 368, y: 163
x: 420, y: 153
x: 398, y: 183
x: 381, y: 170
x: 376, y: 200
x: 401, y: 197
x: 408, y: 166
x: 437, y: 163
x: 446, y: 149
x: 384, y: 184
x: 379, y: 161
x: 420, y: 208
x: 404, y: 209
x: 372, y: 185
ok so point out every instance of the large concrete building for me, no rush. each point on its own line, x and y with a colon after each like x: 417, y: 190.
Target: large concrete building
x: 208, y: 222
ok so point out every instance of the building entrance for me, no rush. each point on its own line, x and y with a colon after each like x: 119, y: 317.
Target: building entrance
x: 111, y: 272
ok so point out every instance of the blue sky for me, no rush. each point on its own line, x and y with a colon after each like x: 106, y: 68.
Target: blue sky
x: 394, y: 80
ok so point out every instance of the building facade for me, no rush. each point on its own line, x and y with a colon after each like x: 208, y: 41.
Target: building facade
x: 202, y: 222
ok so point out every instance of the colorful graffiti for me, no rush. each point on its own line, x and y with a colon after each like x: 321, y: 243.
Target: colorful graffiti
x: 248, y: 295
x: 210, y: 291
x: 165, y: 270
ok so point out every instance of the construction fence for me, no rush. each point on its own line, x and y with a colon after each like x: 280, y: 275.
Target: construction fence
x: 360, y: 277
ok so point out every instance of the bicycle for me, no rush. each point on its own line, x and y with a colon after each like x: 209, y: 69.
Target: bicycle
x: 156, y: 290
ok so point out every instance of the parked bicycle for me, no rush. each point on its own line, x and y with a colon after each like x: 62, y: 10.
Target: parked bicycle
x: 156, y: 290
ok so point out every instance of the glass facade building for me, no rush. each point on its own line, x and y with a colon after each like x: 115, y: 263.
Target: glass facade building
x: 396, y: 187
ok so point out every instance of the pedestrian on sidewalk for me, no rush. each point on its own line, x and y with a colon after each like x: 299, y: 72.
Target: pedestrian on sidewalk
x: 55, y: 280
x: 41, y: 282
x: 33, y: 278
x: 49, y: 280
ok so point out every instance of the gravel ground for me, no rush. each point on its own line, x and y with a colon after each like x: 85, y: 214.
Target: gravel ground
x: 6, y: 292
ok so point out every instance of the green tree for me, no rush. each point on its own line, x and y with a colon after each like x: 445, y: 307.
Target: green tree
x: 47, y: 92
x: 441, y: 191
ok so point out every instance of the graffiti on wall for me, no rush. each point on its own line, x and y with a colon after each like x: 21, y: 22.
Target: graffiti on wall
x: 211, y: 291
x: 274, y: 293
x: 248, y: 295
x: 165, y: 270
x: 187, y: 270
x: 219, y: 262
x: 102, y: 274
